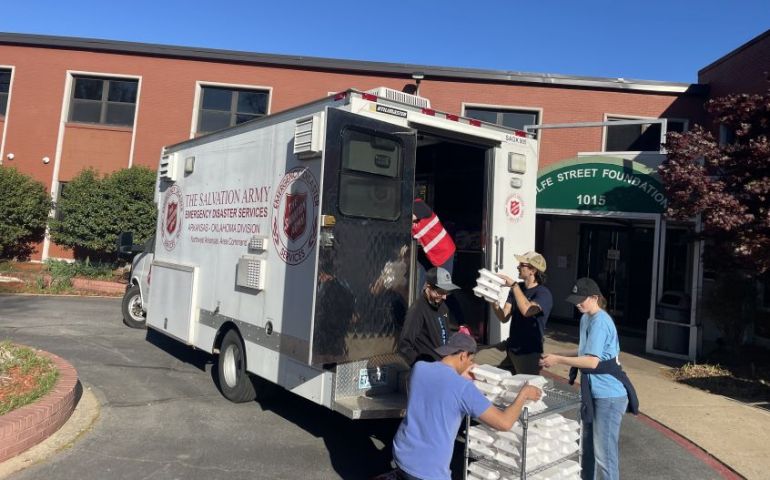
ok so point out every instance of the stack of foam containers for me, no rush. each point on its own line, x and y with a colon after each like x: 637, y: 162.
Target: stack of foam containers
x: 549, y: 439
x: 491, y: 288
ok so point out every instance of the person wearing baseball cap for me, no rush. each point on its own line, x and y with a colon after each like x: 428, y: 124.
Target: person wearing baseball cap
x: 440, y: 395
x: 528, y: 308
x: 427, y: 321
x: 606, y: 391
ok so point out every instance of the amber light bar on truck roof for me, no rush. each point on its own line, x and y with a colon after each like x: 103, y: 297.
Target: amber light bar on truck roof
x: 426, y: 111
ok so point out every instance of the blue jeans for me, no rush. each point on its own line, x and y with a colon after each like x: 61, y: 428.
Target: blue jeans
x: 600, y: 439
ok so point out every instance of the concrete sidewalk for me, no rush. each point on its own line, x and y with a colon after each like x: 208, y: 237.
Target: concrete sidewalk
x: 734, y: 433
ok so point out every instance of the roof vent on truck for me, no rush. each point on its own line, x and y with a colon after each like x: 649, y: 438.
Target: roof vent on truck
x: 401, y: 97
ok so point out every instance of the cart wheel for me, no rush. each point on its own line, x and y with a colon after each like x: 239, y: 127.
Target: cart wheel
x: 234, y: 382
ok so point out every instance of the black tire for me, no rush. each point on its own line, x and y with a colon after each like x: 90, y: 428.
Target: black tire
x: 133, y: 316
x: 234, y: 382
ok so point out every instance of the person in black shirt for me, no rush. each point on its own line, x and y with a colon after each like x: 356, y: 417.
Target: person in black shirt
x: 427, y: 321
x: 528, y: 307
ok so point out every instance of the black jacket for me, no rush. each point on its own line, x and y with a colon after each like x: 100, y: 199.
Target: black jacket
x: 611, y: 367
x: 425, y: 328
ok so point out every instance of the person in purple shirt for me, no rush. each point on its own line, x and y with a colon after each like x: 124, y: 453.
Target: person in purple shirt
x: 440, y: 395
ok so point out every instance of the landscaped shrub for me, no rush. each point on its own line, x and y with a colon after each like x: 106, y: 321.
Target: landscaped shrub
x: 78, y: 268
x: 24, y: 209
x: 93, y: 210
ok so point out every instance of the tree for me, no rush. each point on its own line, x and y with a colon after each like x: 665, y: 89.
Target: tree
x: 25, y: 206
x: 92, y: 211
x: 728, y: 185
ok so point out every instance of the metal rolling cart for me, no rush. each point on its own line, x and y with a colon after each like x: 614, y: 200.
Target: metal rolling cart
x: 559, y: 398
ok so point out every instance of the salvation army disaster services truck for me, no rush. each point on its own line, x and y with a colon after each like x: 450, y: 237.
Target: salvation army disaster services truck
x: 284, y: 245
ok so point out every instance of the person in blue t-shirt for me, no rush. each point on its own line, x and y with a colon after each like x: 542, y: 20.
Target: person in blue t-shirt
x: 598, y: 343
x: 528, y: 307
x: 440, y: 395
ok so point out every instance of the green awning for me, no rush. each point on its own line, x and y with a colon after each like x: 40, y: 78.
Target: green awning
x: 598, y: 183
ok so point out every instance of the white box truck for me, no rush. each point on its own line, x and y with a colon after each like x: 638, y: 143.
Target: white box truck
x: 284, y: 244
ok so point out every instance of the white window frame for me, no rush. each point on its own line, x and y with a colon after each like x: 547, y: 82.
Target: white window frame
x: 512, y: 108
x: 69, y: 83
x: 618, y: 116
x: 723, y: 135
x: 7, y: 110
x: 235, y: 86
x: 71, y: 99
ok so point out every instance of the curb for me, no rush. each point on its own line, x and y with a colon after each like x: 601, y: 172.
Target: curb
x: 103, y: 286
x: 27, y: 426
x: 724, y: 470
x: 80, y: 422
x: 99, y: 285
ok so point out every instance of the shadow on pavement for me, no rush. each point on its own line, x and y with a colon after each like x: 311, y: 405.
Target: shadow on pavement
x: 357, y: 448
x: 197, y: 358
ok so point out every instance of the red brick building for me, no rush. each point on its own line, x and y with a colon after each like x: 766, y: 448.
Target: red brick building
x: 70, y: 103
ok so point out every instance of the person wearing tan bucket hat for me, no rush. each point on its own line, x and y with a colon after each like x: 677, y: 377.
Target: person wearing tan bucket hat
x: 528, y: 307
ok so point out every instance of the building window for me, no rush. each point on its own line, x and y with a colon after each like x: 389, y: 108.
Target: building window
x: 105, y: 101
x: 508, y: 118
x: 59, y: 195
x: 5, y: 86
x: 726, y: 135
x: 225, y: 107
x: 638, y: 138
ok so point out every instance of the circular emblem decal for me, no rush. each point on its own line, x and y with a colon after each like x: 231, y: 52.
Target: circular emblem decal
x: 171, y: 217
x: 295, y: 215
x: 514, y: 208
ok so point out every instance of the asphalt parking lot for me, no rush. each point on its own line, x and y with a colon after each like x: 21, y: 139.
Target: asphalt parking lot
x: 162, y: 416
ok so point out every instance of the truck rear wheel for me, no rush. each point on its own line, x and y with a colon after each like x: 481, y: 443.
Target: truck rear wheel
x: 234, y: 382
x: 133, y: 315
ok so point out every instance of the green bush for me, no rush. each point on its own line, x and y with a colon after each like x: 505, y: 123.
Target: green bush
x: 25, y: 206
x: 96, y: 270
x: 93, y: 210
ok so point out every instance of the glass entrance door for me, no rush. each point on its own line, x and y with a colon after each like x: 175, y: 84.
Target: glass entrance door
x: 619, y: 259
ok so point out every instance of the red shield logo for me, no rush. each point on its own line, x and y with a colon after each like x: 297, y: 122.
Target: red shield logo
x: 295, y: 215
x: 171, y: 217
x: 514, y: 208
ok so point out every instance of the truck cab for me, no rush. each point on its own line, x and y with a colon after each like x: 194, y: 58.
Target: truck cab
x: 136, y: 296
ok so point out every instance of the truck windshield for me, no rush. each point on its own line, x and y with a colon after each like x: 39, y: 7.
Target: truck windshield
x: 370, y: 176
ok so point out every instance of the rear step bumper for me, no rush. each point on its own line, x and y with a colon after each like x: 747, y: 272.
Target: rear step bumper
x: 389, y: 405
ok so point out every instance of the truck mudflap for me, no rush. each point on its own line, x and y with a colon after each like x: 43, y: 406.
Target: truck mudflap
x: 371, y: 388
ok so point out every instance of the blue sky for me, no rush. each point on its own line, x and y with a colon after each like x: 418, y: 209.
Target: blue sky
x: 643, y: 39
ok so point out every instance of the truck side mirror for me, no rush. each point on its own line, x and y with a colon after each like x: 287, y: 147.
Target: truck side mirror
x: 125, y: 243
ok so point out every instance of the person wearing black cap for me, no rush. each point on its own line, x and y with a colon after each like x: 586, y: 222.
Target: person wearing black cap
x: 427, y: 321
x: 440, y: 396
x: 605, y: 389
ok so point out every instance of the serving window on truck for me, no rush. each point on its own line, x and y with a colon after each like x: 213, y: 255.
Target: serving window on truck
x: 370, y: 183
